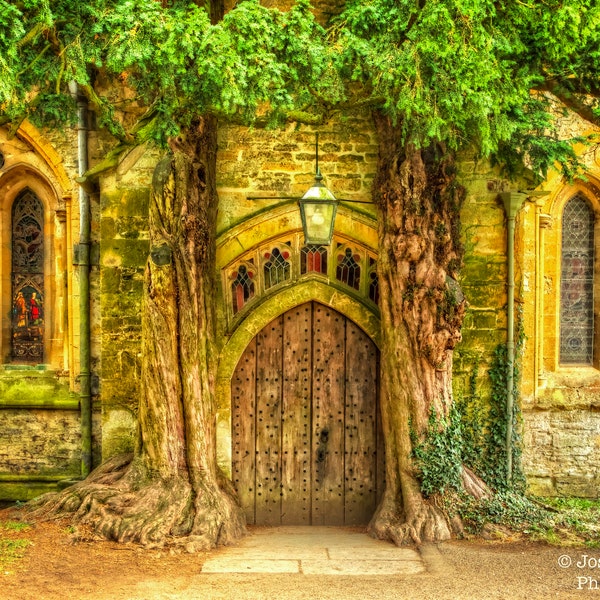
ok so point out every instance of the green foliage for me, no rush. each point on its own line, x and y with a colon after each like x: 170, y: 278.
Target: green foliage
x: 437, y: 66
x: 438, y: 456
x: 460, y: 72
x: 254, y: 62
x: 536, y: 143
x: 509, y: 509
x: 474, y: 73
x: 472, y: 414
x: 474, y: 433
x: 15, y: 526
x: 580, y: 515
x: 11, y: 31
x: 12, y: 550
x: 493, y: 458
x: 553, y: 520
x: 11, y: 547
x: 484, y: 421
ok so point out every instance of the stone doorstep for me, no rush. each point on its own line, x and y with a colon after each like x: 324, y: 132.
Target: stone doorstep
x: 314, y: 567
x: 362, y: 567
x: 314, y: 551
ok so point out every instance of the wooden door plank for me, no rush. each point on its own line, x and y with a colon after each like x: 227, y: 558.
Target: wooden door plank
x: 328, y: 416
x: 296, y: 416
x: 360, y: 427
x: 268, y: 423
x: 243, y: 407
x: 381, y: 475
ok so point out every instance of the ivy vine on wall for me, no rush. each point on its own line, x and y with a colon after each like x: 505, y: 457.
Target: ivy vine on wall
x: 474, y: 432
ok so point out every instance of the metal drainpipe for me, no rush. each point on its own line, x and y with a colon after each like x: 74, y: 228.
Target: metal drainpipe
x: 83, y: 262
x: 513, y: 201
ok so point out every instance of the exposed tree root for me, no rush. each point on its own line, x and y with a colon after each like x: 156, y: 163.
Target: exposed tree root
x: 474, y: 485
x: 422, y: 520
x: 120, y: 502
x: 426, y: 523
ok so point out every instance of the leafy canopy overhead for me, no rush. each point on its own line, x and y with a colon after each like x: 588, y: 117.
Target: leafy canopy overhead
x: 474, y: 72
x: 467, y: 73
x: 255, y: 61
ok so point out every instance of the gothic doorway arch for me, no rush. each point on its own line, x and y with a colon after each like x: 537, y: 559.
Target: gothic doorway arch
x: 306, y: 445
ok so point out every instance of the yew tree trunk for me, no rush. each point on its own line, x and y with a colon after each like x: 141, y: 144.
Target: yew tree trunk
x: 177, y: 416
x: 422, y: 309
x: 171, y: 491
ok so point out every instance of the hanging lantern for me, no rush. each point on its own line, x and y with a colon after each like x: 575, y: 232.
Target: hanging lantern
x: 317, y: 213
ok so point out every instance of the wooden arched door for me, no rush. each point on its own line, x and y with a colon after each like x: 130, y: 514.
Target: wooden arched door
x: 306, y: 436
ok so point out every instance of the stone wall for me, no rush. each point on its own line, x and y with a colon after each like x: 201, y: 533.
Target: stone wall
x: 276, y: 163
x: 561, y: 425
x: 39, y: 406
x: 124, y: 245
x: 560, y: 404
x: 40, y: 429
x: 483, y: 277
x: 250, y: 163
x: 262, y: 163
x: 562, y: 452
x: 39, y: 432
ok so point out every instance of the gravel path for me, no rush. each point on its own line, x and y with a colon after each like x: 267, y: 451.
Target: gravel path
x: 55, y: 568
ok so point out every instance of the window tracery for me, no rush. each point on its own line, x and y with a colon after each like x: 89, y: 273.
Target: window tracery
x: 263, y: 269
x: 577, y: 283
x: 242, y: 286
x: 348, y: 267
x: 27, y: 249
x: 276, y: 268
x: 373, y: 281
x: 313, y: 259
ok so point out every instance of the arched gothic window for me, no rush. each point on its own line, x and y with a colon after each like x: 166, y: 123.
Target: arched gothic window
x: 348, y: 268
x: 242, y: 286
x: 577, y: 283
x: 263, y: 270
x: 313, y: 259
x: 277, y: 268
x: 27, y: 246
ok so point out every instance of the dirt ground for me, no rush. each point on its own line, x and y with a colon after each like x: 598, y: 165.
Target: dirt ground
x: 56, y: 567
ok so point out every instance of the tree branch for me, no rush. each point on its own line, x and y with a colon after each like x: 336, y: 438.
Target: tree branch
x: 30, y: 35
x: 571, y: 100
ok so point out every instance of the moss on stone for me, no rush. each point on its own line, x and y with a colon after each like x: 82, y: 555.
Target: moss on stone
x: 110, y: 280
x: 131, y: 227
x: 129, y: 253
x: 480, y: 269
x: 35, y: 389
x: 126, y: 202
x: 27, y: 490
x: 107, y: 228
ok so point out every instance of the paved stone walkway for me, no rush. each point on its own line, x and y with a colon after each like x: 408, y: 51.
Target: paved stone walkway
x: 314, y: 551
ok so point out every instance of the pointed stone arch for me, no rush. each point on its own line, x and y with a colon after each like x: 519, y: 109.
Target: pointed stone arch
x: 274, y: 306
x: 33, y: 166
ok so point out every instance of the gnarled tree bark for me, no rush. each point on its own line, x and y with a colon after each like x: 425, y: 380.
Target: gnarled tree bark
x: 172, y: 490
x: 422, y: 309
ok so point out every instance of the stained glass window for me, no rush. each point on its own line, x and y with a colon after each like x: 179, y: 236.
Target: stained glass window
x: 265, y: 269
x: 28, y: 278
x: 276, y: 267
x: 242, y: 287
x: 348, y: 269
x: 373, y: 281
x: 313, y: 259
x: 577, y: 283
